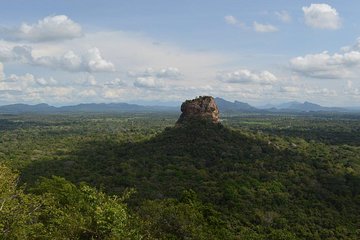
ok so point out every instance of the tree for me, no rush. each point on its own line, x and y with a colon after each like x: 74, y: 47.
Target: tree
x: 58, y: 209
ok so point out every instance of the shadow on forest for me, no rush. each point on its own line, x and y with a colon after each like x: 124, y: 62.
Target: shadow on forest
x: 176, y: 159
x: 240, y: 178
x: 7, y: 124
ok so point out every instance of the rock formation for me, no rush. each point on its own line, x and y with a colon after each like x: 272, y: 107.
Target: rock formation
x: 201, y: 108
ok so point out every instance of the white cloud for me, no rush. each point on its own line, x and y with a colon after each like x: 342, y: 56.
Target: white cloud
x: 89, y: 80
x: 129, y: 51
x: 25, y: 85
x: 169, y: 73
x: 5, y: 52
x: 94, y: 62
x: 25, y: 82
x: 322, y: 16
x: 354, y: 47
x: 88, y: 93
x: 151, y: 78
x: 165, y: 73
x: 20, y: 81
x: 307, y: 92
x: 58, y: 92
x: 246, y: 76
x: 351, y: 90
x: 325, y: 65
x: 51, y: 28
x: 90, y: 61
x: 133, y: 51
x: 117, y: 82
x: 257, y: 27
x: 113, y: 93
x: 349, y: 84
x: 98, y: 82
x: 289, y: 89
x: 70, y: 61
x: 2, y: 75
x: 283, y: 16
x: 46, y: 82
x: 321, y: 91
x: 264, y: 28
x: 231, y: 20
x: 147, y: 82
x: 48, y: 94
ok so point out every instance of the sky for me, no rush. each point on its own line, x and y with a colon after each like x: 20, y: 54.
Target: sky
x: 163, y: 52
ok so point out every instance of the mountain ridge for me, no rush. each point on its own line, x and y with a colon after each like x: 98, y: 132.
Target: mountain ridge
x: 82, y: 107
x: 225, y: 106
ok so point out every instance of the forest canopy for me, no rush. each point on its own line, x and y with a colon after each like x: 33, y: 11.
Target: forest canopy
x: 139, y: 177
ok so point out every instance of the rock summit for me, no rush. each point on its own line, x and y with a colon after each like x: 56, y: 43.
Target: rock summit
x: 200, y: 108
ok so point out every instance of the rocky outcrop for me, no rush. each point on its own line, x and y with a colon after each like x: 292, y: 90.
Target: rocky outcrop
x: 201, y: 108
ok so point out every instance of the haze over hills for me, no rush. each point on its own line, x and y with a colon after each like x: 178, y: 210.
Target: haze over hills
x: 224, y: 107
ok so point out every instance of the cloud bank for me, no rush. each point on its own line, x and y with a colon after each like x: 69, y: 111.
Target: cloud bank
x: 51, y: 28
x: 89, y: 61
x: 322, y: 16
x: 246, y: 76
x: 264, y: 28
x: 342, y: 65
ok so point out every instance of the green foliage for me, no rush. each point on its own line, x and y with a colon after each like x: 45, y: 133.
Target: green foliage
x: 18, y: 211
x: 57, y: 209
x: 331, y: 128
x: 83, y: 212
x: 259, y: 177
x: 184, y: 219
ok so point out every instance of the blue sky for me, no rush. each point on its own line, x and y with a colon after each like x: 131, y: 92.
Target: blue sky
x: 66, y: 52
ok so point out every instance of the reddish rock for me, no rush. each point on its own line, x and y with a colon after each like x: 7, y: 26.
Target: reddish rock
x: 203, y: 107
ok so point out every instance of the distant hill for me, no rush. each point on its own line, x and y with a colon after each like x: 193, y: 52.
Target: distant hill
x: 287, y: 105
x: 227, y: 106
x: 84, y: 108
x: 267, y: 106
x: 25, y: 108
x: 114, y: 107
x: 223, y: 105
x: 307, y: 107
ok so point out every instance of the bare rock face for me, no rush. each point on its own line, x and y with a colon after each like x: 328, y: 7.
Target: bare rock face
x: 203, y: 107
